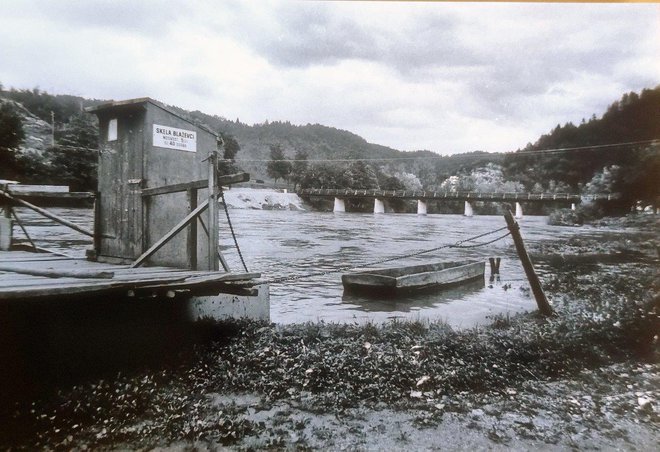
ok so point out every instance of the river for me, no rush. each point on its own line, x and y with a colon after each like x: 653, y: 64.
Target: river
x: 281, y: 243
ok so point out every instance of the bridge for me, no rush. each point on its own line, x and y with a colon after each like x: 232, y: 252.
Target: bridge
x: 422, y: 197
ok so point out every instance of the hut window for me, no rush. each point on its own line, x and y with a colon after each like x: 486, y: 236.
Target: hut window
x: 112, y: 129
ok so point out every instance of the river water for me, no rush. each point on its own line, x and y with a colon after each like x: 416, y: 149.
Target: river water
x: 298, y: 243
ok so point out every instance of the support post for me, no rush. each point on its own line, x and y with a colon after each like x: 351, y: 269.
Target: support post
x: 192, y: 230
x: 214, y: 233
x: 519, y: 211
x: 379, y: 206
x: 340, y: 205
x: 535, y: 284
x: 468, y: 209
x: 96, y: 247
x: 6, y: 226
x: 421, y: 207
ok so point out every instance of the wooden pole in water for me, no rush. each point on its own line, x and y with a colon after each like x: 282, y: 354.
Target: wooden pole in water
x: 541, y: 301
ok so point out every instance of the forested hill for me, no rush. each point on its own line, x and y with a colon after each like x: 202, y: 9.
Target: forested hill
x: 318, y: 142
x: 614, y: 153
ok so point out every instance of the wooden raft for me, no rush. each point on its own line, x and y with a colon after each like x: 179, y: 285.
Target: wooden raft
x: 37, y: 276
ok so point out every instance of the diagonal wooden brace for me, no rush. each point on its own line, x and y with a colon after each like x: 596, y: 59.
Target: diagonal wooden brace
x: 172, y: 232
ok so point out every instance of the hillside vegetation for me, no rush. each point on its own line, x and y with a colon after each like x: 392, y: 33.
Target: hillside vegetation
x: 279, y: 150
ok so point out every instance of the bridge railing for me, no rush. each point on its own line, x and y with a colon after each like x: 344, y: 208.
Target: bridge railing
x: 458, y: 195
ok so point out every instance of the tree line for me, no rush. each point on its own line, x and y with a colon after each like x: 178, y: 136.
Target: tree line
x: 611, y: 154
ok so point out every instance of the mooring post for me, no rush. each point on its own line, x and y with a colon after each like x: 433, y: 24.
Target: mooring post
x: 535, y: 284
x: 494, y: 268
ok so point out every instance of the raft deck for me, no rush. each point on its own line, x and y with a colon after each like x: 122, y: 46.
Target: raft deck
x: 40, y: 276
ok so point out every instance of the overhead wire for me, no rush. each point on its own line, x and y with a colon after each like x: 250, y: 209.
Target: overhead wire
x: 467, y: 155
x: 436, y: 157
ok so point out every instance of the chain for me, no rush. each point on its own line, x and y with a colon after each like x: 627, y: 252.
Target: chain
x: 231, y: 228
x: 389, y: 259
x: 483, y: 243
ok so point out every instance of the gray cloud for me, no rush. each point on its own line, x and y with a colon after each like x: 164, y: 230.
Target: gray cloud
x: 313, y: 34
x: 145, y: 17
x: 397, y: 73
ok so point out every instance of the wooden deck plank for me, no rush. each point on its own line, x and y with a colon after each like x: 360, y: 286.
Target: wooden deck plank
x: 26, y: 286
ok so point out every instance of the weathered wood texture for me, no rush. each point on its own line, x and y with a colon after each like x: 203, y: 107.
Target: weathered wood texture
x: 196, y: 185
x: 130, y: 166
x: 398, y: 280
x: 32, y: 276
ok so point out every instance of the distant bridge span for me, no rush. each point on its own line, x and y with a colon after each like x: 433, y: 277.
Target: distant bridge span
x: 423, y: 196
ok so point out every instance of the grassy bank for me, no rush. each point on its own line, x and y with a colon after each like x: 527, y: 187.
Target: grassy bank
x: 602, y: 318
x: 587, y: 377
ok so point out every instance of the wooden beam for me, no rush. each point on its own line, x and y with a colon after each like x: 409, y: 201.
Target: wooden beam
x: 57, y: 273
x: 535, y: 284
x: 47, y: 214
x: 174, y: 231
x: 191, y: 240
x: 198, y: 184
x: 53, y: 195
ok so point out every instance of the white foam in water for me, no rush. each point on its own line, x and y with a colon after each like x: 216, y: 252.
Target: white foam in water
x: 262, y: 199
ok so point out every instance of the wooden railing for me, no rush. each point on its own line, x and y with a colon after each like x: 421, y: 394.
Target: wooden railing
x: 452, y: 195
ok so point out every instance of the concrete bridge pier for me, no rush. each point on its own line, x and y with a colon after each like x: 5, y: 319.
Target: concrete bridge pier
x: 379, y: 206
x: 469, y: 211
x: 340, y: 205
x: 421, y: 207
x: 519, y: 211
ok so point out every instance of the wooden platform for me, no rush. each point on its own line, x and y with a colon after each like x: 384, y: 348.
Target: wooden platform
x: 40, y: 276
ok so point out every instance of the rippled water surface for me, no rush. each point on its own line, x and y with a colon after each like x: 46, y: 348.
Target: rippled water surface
x: 298, y: 243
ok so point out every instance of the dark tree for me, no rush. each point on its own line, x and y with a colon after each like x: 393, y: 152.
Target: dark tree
x: 574, y: 154
x: 300, y: 165
x: 278, y: 167
x: 361, y: 176
x: 74, y: 158
x: 230, y: 148
x: 11, y: 136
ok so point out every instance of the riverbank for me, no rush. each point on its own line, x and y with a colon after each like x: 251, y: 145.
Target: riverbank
x: 586, y: 378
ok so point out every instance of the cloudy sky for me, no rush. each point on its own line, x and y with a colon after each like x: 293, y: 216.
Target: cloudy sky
x: 447, y: 77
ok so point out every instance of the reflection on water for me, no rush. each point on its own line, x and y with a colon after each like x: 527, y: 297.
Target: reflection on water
x: 297, y: 243
x: 412, y: 302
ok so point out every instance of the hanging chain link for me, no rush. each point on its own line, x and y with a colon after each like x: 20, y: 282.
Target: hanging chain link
x: 231, y: 228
